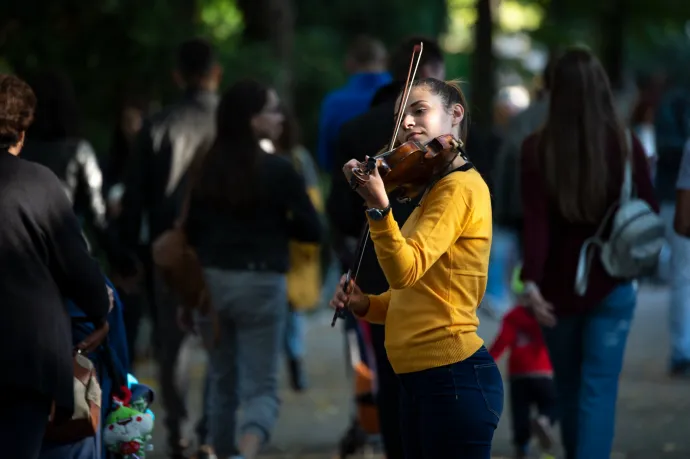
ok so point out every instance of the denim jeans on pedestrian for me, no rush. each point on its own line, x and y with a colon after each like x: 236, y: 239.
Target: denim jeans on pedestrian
x: 587, y: 355
x: 87, y: 448
x: 451, y: 412
x: 679, y: 311
x: 666, y: 212
x: 294, y: 335
x: 251, y: 307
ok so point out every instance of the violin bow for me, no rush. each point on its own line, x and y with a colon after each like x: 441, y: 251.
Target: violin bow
x: 411, y: 73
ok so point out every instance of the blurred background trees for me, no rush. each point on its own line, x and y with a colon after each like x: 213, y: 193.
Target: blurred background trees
x: 123, y: 49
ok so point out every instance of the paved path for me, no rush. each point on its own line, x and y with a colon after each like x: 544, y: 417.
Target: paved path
x: 653, y: 410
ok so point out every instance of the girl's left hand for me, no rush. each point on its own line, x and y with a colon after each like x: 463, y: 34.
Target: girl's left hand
x: 542, y: 309
x: 373, y: 191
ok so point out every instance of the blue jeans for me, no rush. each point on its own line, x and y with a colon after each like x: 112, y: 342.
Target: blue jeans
x: 88, y: 448
x: 294, y: 335
x: 679, y: 311
x: 587, y: 356
x: 451, y: 411
x: 664, y: 269
x: 243, y: 367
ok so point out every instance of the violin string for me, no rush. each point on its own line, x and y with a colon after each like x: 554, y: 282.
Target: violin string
x: 403, y: 103
x: 361, y: 255
x: 406, y: 94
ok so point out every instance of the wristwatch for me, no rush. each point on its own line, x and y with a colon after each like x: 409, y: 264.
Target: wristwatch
x: 378, y: 214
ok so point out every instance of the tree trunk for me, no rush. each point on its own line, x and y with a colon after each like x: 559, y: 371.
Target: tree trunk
x: 483, y: 84
x: 613, y: 42
x: 257, y: 24
x: 273, y: 22
x: 283, y: 43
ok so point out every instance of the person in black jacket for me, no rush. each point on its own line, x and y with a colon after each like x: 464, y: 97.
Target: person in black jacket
x: 245, y: 206
x: 367, y: 134
x: 43, y: 260
x: 54, y: 141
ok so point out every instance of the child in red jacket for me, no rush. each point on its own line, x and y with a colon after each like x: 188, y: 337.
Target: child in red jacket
x: 531, y: 379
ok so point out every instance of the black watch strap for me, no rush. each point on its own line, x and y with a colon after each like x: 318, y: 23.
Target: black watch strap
x: 378, y: 214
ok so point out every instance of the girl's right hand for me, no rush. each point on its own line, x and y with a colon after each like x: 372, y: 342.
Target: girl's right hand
x: 354, y: 300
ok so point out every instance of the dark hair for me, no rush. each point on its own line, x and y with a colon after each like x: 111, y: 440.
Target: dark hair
x: 228, y: 174
x: 195, y: 59
x: 573, y: 145
x: 17, y: 101
x: 365, y: 50
x: 400, y: 60
x: 121, y: 147
x: 451, y: 94
x: 547, y: 71
x: 290, y: 136
x: 56, y: 115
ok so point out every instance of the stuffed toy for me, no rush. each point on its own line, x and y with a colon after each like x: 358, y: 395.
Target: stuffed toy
x: 128, y: 428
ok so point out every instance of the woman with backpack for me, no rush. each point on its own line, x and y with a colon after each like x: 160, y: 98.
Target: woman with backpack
x: 573, y: 172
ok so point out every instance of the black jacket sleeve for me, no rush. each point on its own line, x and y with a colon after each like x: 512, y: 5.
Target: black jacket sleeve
x: 76, y: 273
x: 304, y: 223
x: 345, y: 208
x: 138, y: 189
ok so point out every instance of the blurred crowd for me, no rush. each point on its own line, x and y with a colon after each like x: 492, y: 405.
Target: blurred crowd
x: 273, y: 226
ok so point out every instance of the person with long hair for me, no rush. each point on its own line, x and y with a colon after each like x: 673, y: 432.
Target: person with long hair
x: 436, y: 266
x: 368, y: 132
x: 572, y: 172
x: 245, y: 206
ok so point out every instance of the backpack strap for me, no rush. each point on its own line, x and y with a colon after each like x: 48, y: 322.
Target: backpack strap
x: 584, y: 263
x: 190, y: 179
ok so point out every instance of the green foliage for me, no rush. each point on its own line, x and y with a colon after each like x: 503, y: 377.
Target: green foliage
x: 117, y: 48
x: 221, y: 19
x: 318, y: 65
x: 110, y: 49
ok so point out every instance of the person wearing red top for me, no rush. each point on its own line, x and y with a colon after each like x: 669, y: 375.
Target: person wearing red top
x: 571, y: 175
x: 531, y: 383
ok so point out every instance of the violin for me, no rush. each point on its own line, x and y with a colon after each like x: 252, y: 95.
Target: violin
x: 409, y: 167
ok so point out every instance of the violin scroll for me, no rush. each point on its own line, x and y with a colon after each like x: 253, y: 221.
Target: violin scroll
x: 360, y: 175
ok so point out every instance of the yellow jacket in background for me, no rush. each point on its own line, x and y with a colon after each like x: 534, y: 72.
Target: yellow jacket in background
x: 304, y: 276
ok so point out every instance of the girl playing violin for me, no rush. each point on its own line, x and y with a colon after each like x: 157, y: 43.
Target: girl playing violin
x: 436, y: 266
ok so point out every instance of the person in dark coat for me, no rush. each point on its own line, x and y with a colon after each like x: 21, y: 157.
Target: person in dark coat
x: 43, y: 259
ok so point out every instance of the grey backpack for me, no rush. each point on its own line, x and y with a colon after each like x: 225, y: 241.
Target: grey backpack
x: 637, y: 236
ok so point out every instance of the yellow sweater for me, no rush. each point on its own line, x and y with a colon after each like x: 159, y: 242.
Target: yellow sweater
x: 437, y: 268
